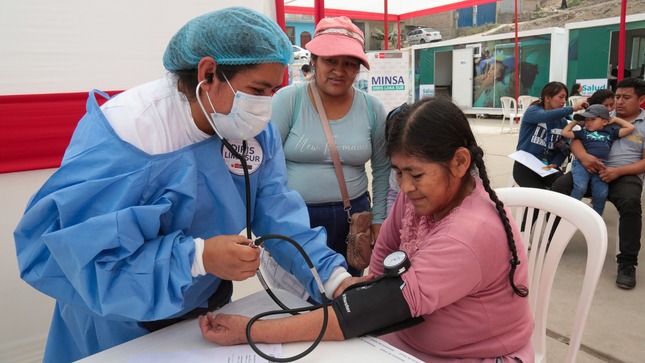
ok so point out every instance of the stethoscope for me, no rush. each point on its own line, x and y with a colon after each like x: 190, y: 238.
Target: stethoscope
x: 241, y: 156
x: 257, y: 243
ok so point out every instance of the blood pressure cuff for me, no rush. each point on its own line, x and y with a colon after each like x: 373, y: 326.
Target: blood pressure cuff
x: 377, y: 308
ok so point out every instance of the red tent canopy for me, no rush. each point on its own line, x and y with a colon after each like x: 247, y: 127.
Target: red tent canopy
x: 395, y: 10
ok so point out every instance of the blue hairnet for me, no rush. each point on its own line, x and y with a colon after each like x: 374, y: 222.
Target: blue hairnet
x: 234, y: 35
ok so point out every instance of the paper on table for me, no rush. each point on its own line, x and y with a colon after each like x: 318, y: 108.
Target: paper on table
x: 278, y: 278
x: 385, y: 347
x: 531, y: 162
x: 232, y: 354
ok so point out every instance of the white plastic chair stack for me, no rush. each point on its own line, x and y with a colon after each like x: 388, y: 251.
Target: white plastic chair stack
x: 509, y: 111
x: 542, y: 206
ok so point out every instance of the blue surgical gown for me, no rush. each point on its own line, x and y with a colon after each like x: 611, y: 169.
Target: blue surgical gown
x: 110, y: 234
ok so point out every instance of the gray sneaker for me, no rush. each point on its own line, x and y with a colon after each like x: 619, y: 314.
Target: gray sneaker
x: 626, y: 278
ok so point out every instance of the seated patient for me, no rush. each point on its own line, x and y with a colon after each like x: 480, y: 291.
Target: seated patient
x: 463, y: 295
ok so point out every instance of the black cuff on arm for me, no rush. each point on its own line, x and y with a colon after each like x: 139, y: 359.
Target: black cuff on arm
x: 377, y: 308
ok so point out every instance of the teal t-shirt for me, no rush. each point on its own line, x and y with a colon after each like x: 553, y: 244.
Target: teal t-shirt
x: 359, y: 136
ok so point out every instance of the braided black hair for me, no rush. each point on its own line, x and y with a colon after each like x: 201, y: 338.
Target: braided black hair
x: 478, y: 156
x: 410, y: 132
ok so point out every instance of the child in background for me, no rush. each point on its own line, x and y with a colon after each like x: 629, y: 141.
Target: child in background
x: 307, y: 73
x: 596, y: 138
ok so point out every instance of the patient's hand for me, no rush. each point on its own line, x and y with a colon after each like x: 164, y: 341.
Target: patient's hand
x: 224, y: 329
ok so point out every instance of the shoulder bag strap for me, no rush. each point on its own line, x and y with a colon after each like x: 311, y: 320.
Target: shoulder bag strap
x: 332, y: 148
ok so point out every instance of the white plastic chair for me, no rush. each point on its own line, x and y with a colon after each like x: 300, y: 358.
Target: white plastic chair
x: 542, y: 206
x: 509, y: 111
x: 523, y: 102
x: 575, y: 99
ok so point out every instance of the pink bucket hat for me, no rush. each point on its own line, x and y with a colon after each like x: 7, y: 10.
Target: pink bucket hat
x: 338, y: 36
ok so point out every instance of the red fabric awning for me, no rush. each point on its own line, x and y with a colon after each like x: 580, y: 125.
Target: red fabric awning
x: 35, y: 129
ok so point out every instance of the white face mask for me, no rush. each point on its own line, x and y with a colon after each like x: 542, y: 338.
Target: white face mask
x: 248, y: 117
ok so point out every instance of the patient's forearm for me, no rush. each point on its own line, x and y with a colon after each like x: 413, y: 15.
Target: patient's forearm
x: 304, y: 327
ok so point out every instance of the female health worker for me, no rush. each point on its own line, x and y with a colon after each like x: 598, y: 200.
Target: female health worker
x: 139, y: 227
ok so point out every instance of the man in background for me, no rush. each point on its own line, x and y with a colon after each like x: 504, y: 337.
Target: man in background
x: 624, y: 174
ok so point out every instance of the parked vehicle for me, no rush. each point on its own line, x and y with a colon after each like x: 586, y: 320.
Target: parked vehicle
x: 424, y: 35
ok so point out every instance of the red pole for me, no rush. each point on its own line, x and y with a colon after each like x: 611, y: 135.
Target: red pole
x: 280, y: 19
x: 517, y: 57
x: 385, y: 26
x: 319, y: 10
x: 279, y: 14
x: 398, y: 32
x: 621, y: 41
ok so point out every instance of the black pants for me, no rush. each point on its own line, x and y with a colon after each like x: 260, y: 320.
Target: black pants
x: 525, y: 177
x: 625, y: 194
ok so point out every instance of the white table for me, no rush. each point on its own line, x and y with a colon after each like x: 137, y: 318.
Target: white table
x: 186, y: 336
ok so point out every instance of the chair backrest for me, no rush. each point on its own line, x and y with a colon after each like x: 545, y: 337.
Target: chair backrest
x: 539, y: 209
x: 509, y: 106
x: 575, y: 99
x: 523, y: 102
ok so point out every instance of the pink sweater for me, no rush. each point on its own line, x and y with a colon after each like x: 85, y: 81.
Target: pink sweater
x: 459, y: 282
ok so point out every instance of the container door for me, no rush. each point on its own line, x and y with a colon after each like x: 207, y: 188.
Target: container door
x: 462, y: 77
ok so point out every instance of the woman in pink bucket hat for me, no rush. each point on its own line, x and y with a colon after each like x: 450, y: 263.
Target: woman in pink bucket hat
x: 357, y: 122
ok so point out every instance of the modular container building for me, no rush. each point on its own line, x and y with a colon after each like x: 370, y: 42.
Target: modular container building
x: 593, y: 52
x: 458, y: 68
x: 582, y: 52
